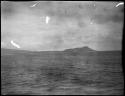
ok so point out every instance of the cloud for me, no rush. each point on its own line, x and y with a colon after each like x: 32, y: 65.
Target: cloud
x: 101, y: 18
x: 109, y: 15
x: 99, y: 27
x: 109, y: 43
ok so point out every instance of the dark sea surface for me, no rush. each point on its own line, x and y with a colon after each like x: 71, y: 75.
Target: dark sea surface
x: 71, y: 72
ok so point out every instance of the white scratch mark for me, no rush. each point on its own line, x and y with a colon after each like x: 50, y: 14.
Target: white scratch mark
x: 47, y: 19
x: 14, y: 44
x: 34, y: 4
x: 119, y: 4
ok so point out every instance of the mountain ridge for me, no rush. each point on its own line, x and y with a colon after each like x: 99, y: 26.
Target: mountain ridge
x: 86, y: 49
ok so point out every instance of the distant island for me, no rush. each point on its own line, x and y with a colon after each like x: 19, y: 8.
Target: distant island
x: 85, y: 49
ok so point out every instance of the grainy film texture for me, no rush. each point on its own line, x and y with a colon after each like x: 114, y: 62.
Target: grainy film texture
x: 61, y: 48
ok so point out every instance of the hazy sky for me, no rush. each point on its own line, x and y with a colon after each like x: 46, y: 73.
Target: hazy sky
x: 71, y: 24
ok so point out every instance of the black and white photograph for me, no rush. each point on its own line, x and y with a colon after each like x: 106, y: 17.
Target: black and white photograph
x: 62, y: 47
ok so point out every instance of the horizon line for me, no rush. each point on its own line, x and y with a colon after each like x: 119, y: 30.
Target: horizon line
x: 59, y: 50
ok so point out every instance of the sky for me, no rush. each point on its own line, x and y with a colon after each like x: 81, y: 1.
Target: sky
x: 71, y: 24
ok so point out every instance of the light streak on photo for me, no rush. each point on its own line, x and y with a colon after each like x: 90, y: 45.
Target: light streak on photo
x: 119, y: 4
x: 47, y: 19
x: 34, y: 4
x: 14, y: 44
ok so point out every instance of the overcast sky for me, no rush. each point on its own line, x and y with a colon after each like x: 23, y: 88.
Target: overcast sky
x: 71, y: 24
